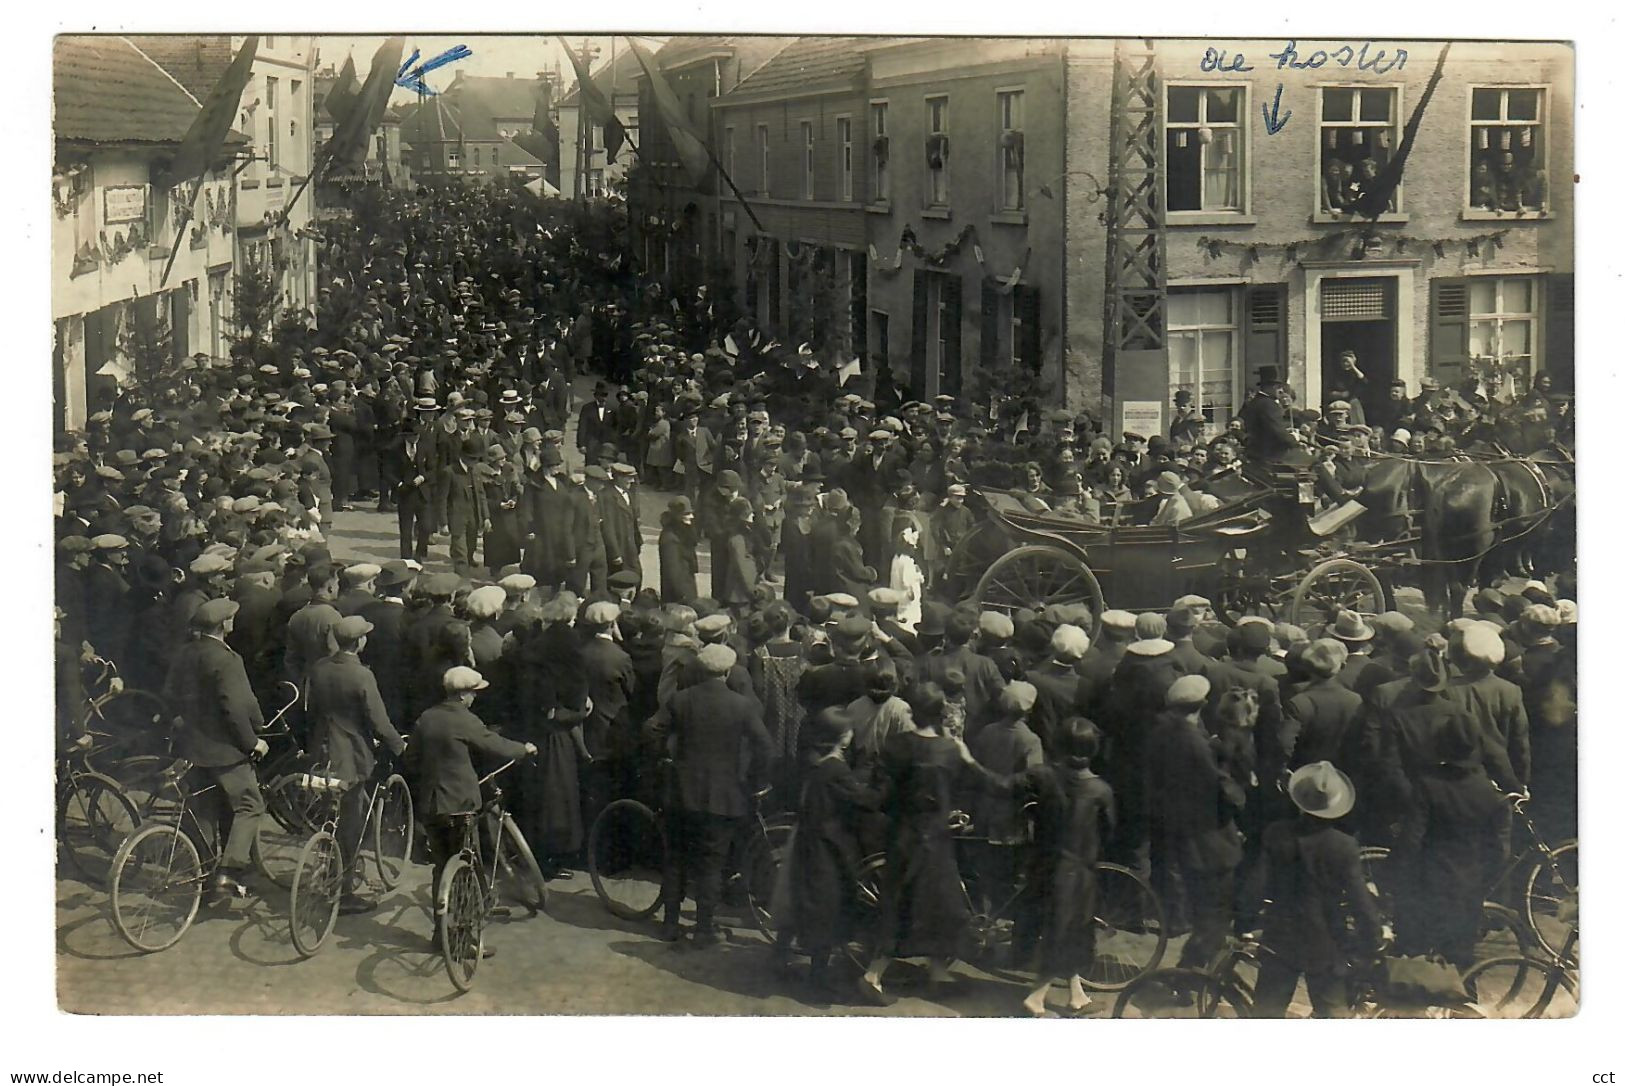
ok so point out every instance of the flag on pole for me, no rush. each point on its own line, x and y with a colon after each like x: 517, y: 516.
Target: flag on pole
x: 847, y: 371
x: 207, y: 134
x: 690, y: 147
x: 1378, y: 195
x: 349, y: 144
x: 341, y: 95
x: 594, y: 106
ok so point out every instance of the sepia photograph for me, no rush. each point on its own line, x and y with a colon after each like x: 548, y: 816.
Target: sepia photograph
x: 719, y: 525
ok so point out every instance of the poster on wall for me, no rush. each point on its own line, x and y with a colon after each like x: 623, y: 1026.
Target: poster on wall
x: 124, y: 203
x: 1143, y: 417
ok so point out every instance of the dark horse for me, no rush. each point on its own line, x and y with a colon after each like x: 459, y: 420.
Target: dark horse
x: 1473, y: 520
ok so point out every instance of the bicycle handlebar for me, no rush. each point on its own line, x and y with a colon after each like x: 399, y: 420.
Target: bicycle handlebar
x: 500, y: 769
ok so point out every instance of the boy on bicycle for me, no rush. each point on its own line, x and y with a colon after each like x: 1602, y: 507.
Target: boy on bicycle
x: 345, y: 714
x: 444, y: 742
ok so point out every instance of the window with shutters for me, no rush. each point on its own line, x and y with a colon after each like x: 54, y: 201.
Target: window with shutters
x: 843, y: 141
x: 1011, y: 152
x: 879, y: 154
x: 1486, y: 324
x: 271, y: 142
x: 1205, y: 135
x: 1507, y: 156
x: 936, y: 151
x: 807, y: 166
x: 1359, y: 132
x: 1203, y: 336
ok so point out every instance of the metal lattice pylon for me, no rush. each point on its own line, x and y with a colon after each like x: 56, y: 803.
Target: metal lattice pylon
x: 1136, y: 241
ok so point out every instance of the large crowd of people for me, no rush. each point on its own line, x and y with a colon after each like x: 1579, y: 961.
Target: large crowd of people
x: 437, y: 379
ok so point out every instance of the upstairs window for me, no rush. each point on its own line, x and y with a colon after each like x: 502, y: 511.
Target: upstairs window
x: 1508, y: 141
x: 1012, y: 152
x: 1206, y: 140
x: 1359, y: 131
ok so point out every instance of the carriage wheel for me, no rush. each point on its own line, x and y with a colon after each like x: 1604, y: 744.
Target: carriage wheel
x: 1035, y: 576
x: 1337, y: 585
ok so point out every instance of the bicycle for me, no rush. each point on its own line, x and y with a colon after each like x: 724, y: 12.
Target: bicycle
x: 160, y: 871
x: 1500, y: 988
x: 93, y: 815
x: 467, y: 892
x: 627, y: 855
x: 1129, y: 930
x: 1551, y: 881
x: 321, y: 876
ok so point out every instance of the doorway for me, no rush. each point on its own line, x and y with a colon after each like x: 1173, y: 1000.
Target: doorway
x: 1359, y: 315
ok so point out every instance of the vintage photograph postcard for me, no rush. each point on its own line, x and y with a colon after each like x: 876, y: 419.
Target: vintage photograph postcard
x: 744, y: 525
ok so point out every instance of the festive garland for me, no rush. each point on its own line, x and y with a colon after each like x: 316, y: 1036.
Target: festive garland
x: 1368, y: 243
x: 123, y: 244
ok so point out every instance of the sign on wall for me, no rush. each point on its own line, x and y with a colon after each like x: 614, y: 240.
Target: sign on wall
x: 124, y: 203
x: 1143, y: 417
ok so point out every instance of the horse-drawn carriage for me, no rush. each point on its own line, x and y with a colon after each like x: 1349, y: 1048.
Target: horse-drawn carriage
x: 1267, y: 551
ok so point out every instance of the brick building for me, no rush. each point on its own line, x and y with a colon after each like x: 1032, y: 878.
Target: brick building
x: 793, y: 137
x: 674, y: 219
x: 453, y: 142
x: 1472, y: 265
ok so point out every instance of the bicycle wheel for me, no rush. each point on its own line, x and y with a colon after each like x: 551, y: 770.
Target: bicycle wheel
x: 626, y: 858
x: 765, y: 855
x: 1551, y: 895
x: 313, y: 902
x: 276, y: 852
x: 460, y: 922
x: 1180, y: 993
x: 94, y: 816
x: 298, y: 808
x: 392, y: 830
x: 1518, y: 987
x: 519, y: 876
x: 156, y: 886
x: 866, y: 934
x: 1130, y: 936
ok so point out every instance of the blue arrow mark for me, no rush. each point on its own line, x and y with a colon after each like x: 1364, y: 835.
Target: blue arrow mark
x: 412, y: 78
x: 1273, y: 121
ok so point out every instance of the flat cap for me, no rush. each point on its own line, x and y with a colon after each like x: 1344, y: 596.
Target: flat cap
x: 213, y: 612
x: 460, y: 679
x: 601, y: 613
x: 360, y: 573
x: 440, y: 585
x: 1069, y: 641
x: 995, y: 624
x: 109, y: 541
x: 350, y: 629
x: 717, y: 659
x: 712, y: 627
x: 1019, y: 697
x: 1188, y: 690
x: 517, y: 583
x: 205, y: 565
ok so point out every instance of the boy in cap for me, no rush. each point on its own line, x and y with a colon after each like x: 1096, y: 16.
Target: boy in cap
x: 707, y: 727
x: 1320, y: 717
x: 207, y: 689
x: 447, y: 790
x: 345, y: 715
x: 1191, y: 807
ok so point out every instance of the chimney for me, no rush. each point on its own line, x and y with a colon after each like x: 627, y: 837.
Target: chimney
x: 510, y: 75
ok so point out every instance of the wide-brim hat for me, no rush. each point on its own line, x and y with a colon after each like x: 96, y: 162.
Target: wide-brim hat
x: 1351, y: 626
x: 1322, y: 790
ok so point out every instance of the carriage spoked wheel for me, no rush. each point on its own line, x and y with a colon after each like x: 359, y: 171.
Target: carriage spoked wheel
x: 1338, y: 585
x: 1037, y: 575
